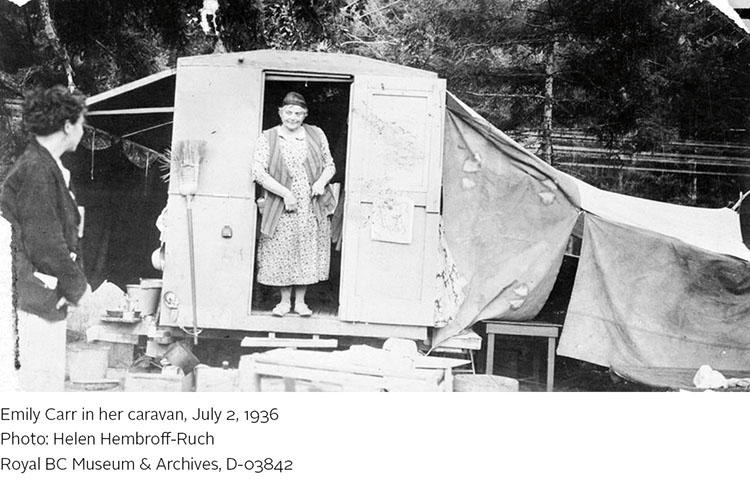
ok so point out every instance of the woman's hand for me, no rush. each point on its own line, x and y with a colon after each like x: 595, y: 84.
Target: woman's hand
x: 290, y: 202
x: 318, y: 188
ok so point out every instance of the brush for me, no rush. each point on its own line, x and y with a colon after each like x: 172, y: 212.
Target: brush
x: 187, y: 157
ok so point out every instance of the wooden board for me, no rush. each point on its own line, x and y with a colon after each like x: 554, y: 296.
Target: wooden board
x: 251, y: 342
x: 523, y: 328
x: 469, y: 341
x: 350, y: 380
x: 331, y: 369
x: 396, y: 130
x: 331, y: 325
x: 157, y: 382
x: 439, y: 362
x: 484, y: 383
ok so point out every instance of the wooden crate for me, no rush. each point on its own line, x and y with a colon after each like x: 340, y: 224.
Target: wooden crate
x: 328, y: 369
x: 208, y: 379
x: 158, y: 382
x: 484, y: 383
x: 120, y: 354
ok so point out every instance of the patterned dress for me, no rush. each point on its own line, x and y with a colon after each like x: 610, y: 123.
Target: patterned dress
x: 299, y: 251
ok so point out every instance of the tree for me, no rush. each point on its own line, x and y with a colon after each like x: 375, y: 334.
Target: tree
x: 284, y: 24
x: 633, y: 68
x: 102, y: 43
x: 60, y: 52
x: 638, y: 74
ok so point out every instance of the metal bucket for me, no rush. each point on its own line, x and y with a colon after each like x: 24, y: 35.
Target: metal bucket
x: 134, y: 297
x: 178, y: 355
x: 150, y: 294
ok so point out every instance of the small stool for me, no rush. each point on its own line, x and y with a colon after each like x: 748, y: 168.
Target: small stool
x: 550, y: 331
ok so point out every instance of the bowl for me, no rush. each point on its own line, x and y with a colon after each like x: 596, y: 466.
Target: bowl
x: 119, y: 313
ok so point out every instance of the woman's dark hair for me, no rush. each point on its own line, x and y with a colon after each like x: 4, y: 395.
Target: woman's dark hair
x: 46, y: 110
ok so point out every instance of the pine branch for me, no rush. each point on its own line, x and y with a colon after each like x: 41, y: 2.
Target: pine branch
x: 9, y: 82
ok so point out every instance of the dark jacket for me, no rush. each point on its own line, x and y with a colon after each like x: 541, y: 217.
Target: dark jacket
x: 45, y: 218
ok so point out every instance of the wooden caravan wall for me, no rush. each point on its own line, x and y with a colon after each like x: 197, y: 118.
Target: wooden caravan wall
x: 219, y: 104
x: 395, y: 159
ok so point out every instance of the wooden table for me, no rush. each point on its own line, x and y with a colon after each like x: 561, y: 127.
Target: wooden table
x: 542, y: 329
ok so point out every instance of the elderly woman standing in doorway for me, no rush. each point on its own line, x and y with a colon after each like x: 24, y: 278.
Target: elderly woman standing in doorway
x: 293, y: 164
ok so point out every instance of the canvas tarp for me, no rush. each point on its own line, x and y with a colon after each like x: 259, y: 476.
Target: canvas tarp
x: 645, y: 299
x: 713, y: 229
x: 657, y: 284
x: 507, y: 217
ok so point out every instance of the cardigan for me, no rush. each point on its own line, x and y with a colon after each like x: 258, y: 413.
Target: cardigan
x: 37, y: 202
x: 323, y: 205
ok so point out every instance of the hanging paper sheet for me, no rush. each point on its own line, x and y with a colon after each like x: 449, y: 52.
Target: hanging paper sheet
x: 392, y: 220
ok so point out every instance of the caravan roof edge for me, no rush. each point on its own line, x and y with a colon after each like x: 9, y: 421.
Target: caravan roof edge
x: 303, y: 61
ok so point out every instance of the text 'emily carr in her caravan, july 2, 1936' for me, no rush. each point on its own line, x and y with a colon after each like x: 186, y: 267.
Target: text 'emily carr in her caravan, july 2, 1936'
x: 30, y: 414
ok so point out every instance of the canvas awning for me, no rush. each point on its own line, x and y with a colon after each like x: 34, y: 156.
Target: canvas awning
x: 713, y: 229
x: 140, y: 111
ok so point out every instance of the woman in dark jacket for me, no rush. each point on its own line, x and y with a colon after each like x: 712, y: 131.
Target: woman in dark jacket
x: 37, y: 201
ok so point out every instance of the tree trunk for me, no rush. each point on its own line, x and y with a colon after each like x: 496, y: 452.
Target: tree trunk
x: 51, y: 33
x: 694, y: 186
x: 549, y: 71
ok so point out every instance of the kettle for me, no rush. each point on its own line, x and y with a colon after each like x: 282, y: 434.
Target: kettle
x: 157, y: 258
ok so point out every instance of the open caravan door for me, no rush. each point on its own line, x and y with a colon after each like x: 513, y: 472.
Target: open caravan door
x: 390, y: 234
x: 216, y: 104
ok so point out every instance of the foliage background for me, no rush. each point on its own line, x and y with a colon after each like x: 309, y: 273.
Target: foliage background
x: 636, y: 75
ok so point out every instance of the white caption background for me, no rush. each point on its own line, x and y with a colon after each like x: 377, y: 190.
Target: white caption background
x: 360, y: 437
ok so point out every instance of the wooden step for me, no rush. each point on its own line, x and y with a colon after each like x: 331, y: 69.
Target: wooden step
x: 271, y: 341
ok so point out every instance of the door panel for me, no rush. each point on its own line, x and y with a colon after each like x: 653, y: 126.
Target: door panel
x: 394, y: 161
x: 394, y: 282
x: 397, y: 129
x: 224, y: 257
x: 222, y: 107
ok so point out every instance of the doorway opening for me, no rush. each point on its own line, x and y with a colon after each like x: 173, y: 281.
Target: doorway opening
x: 328, y: 100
